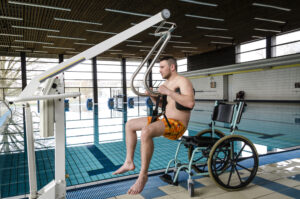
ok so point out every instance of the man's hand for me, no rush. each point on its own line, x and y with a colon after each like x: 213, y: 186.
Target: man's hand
x: 163, y: 90
x: 148, y: 93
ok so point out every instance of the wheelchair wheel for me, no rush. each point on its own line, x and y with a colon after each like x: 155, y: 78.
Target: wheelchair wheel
x: 201, y: 168
x: 239, y: 161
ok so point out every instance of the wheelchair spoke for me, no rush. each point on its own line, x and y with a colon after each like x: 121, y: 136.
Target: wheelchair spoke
x: 236, y: 170
x: 240, y: 152
x: 243, y: 167
x: 245, y: 158
x: 232, y: 169
x: 224, y: 169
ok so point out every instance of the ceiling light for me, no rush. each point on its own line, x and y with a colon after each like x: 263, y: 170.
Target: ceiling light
x: 138, y: 46
x: 133, y: 24
x: 34, y: 28
x: 10, y: 18
x: 176, y: 36
x: 102, y: 32
x: 7, y: 46
x: 38, y: 5
x: 266, y: 30
x: 24, y: 51
x: 210, y: 28
x: 114, y: 50
x: 10, y: 35
x: 257, y: 37
x: 86, y: 44
x: 220, y: 42
x: 102, y: 57
x: 121, y: 54
x: 127, y: 13
x: 77, y: 21
x: 40, y: 51
x: 200, y: 3
x: 184, y: 47
x: 55, y: 47
x: 134, y: 41
x: 171, y: 35
x: 163, y: 54
x: 35, y: 42
x: 203, y: 17
x: 271, y: 6
x: 61, y: 37
x: 189, y: 51
x: 269, y: 20
x: 148, y: 50
x: 180, y: 42
x: 73, y: 52
x: 217, y: 36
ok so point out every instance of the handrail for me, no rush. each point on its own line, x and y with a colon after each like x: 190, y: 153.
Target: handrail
x: 164, y: 39
x: 7, y: 106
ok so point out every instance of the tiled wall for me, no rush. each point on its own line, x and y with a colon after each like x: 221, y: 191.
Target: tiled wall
x: 203, y: 88
x: 276, y: 84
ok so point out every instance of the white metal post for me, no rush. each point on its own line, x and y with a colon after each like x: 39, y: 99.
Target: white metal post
x: 60, y: 166
x: 30, y: 152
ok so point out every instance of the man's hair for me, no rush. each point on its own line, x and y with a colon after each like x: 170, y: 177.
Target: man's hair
x: 170, y: 60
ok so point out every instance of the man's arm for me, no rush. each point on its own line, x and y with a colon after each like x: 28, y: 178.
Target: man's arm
x: 186, y: 98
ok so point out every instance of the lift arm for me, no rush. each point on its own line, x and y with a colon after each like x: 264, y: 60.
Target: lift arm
x: 31, y: 89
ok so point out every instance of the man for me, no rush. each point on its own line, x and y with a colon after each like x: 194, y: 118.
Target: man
x: 178, y: 119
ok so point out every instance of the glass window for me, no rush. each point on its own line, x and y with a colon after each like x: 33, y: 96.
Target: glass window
x: 252, y: 51
x: 182, y: 65
x: 253, y: 55
x: 287, y: 44
x: 253, y: 45
x: 287, y: 49
x: 288, y: 37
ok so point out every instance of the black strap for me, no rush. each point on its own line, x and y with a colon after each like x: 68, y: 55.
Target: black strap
x: 155, y: 111
x: 163, y: 108
x: 155, y: 114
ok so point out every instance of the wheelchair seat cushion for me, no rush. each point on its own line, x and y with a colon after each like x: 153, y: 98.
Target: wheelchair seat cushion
x: 197, y: 141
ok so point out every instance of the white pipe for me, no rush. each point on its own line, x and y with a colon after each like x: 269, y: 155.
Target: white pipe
x: 265, y: 63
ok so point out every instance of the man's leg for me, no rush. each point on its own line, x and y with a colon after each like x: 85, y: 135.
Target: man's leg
x: 155, y: 129
x: 131, y: 138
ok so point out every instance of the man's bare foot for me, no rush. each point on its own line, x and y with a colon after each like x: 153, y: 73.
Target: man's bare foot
x: 124, y: 168
x: 138, y: 185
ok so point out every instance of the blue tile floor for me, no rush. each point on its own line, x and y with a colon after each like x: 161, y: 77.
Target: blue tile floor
x: 278, y: 177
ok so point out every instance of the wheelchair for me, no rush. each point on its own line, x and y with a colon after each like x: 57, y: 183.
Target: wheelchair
x: 231, y: 160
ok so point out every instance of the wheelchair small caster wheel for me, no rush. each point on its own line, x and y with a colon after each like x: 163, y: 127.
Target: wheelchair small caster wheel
x: 191, y: 188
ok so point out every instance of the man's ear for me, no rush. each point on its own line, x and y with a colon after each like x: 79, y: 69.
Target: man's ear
x: 173, y: 67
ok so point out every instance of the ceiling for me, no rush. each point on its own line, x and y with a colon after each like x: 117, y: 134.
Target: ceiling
x: 238, y: 21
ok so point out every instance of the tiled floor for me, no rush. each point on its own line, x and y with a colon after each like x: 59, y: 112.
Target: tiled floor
x: 277, y: 180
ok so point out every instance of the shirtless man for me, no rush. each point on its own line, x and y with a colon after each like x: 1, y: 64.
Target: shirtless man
x: 177, y: 118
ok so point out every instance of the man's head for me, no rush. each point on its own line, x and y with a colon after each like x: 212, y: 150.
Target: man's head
x: 167, y: 66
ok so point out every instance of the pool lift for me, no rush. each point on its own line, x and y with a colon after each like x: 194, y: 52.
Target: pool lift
x: 49, y: 87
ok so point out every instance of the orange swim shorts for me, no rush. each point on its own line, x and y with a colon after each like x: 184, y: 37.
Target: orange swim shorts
x: 175, y: 132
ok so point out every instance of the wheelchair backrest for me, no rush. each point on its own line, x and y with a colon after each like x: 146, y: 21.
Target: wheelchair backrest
x: 223, y: 113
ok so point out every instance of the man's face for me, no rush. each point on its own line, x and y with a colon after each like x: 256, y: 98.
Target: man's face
x: 164, y: 69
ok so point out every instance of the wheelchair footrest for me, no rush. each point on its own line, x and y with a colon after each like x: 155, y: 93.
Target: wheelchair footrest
x: 168, y: 179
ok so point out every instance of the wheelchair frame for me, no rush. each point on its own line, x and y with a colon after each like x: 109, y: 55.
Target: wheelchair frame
x: 219, y: 153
